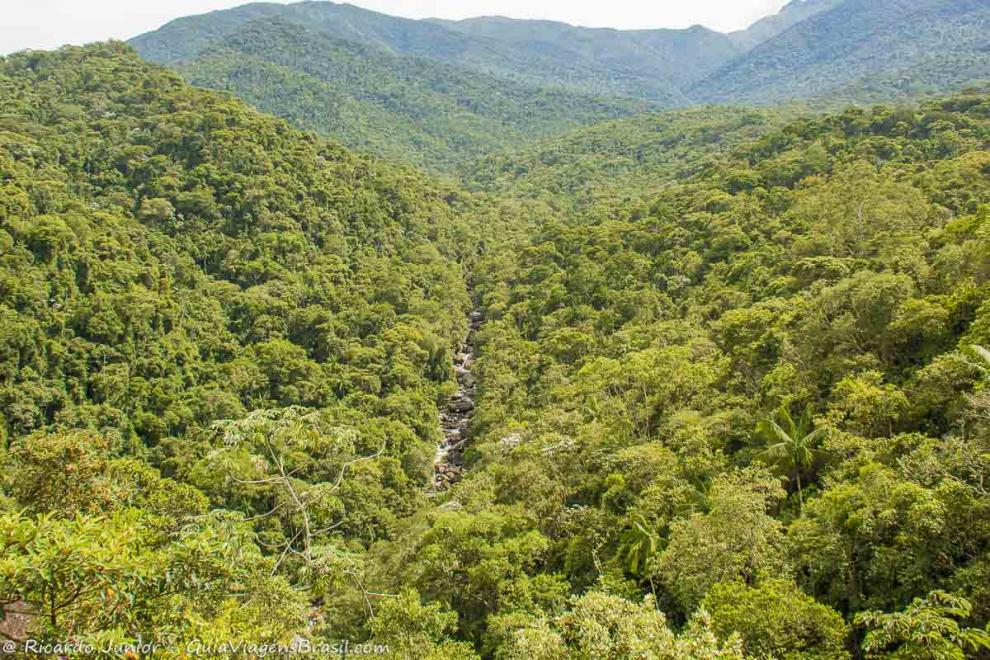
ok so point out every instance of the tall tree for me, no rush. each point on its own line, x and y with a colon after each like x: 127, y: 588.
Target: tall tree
x: 795, y: 446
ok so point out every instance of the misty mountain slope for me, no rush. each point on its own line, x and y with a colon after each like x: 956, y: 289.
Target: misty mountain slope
x: 649, y: 64
x: 857, y: 40
x: 770, y: 26
x: 405, y: 108
x: 634, y: 60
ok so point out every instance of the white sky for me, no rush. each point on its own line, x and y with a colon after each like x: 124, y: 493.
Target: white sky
x: 51, y: 23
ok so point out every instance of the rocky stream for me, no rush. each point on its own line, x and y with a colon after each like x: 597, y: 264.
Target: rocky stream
x: 455, y: 418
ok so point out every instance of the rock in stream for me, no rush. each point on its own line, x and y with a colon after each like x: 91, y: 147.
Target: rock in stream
x: 448, y: 464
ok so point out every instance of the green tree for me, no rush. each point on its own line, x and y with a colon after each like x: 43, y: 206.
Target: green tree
x: 983, y: 355
x: 775, y: 619
x: 638, y: 545
x: 414, y: 630
x: 736, y: 540
x: 927, y: 628
x: 601, y: 625
x: 795, y: 444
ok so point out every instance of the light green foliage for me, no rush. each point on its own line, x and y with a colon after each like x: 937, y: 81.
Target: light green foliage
x: 774, y: 619
x: 116, y: 575
x: 927, y: 628
x: 983, y: 359
x: 612, y: 163
x: 736, y: 539
x: 599, y: 625
x: 413, y: 630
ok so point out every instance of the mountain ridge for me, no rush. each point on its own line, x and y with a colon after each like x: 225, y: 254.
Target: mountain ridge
x: 853, y: 41
x: 824, y: 50
x: 406, y: 108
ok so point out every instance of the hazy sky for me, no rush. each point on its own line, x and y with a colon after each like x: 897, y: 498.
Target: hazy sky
x: 51, y: 23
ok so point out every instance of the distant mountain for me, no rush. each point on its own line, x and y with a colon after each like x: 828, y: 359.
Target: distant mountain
x: 770, y: 26
x: 862, y: 50
x: 441, y: 93
x: 405, y: 108
x: 650, y: 64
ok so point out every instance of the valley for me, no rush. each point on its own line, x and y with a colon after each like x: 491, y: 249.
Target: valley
x: 501, y: 338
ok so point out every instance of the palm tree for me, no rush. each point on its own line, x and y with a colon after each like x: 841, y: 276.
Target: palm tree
x: 795, y: 442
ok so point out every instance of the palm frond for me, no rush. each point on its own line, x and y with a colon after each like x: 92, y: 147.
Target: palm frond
x: 807, y: 419
x: 777, y: 432
x: 984, y: 355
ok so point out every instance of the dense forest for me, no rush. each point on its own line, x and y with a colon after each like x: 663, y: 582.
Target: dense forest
x: 444, y: 94
x: 407, y: 109
x: 758, y: 401
x: 732, y: 368
x: 172, y: 259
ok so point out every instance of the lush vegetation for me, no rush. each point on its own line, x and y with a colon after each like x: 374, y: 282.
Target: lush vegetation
x: 733, y: 380
x: 646, y: 64
x: 170, y: 259
x: 862, y: 50
x: 611, y: 165
x: 406, y: 108
x: 443, y: 94
x: 759, y: 403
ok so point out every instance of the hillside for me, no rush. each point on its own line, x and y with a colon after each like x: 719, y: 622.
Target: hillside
x: 770, y: 26
x: 650, y: 64
x: 862, y: 50
x: 406, y: 109
x: 716, y: 380
x: 757, y: 402
x: 170, y: 258
x: 442, y: 94
x: 614, y: 162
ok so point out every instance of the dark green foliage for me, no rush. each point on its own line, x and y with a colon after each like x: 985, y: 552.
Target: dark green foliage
x: 406, y: 107
x: 830, y: 275
x: 170, y: 258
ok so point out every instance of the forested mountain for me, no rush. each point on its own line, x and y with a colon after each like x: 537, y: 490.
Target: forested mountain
x: 760, y: 402
x: 862, y: 50
x: 443, y: 94
x: 616, y: 162
x: 647, y: 64
x: 732, y: 379
x: 170, y: 258
x: 770, y: 26
x: 405, y: 108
